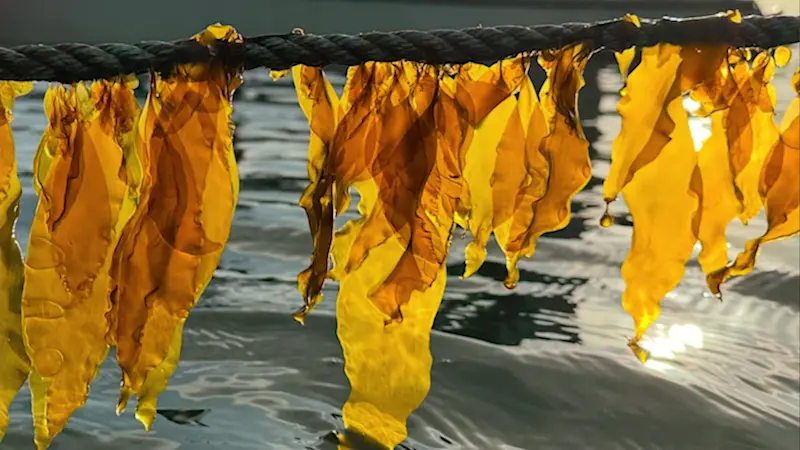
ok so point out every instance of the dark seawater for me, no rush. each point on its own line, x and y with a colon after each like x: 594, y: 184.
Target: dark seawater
x: 544, y: 366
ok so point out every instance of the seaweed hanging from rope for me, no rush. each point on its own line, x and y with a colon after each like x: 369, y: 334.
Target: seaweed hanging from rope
x: 135, y: 206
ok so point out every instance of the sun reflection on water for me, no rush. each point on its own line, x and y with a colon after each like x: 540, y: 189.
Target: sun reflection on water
x: 678, y: 339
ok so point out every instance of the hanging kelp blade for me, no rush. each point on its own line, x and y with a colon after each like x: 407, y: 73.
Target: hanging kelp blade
x: 14, y: 362
x: 65, y: 297
x: 172, y: 245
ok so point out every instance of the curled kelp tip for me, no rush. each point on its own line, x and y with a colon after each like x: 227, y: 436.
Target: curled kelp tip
x: 10, y: 90
x: 279, y: 74
x: 125, y: 394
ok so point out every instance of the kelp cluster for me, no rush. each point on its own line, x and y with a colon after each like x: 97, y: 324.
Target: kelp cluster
x: 428, y: 148
x: 135, y: 206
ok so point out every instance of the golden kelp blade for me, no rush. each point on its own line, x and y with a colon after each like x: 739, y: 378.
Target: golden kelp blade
x: 172, y: 246
x: 519, y: 178
x: 484, y: 94
x: 564, y: 149
x: 718, y: 202
x: 780, y: 188
x: 730, y: 160
x: 73, y: 235
x: 659, y: 197
x: 320, y: 104
x: 646, y: 126
x: 397, y: 354
x: 750, y: 128
x: 14, y: 362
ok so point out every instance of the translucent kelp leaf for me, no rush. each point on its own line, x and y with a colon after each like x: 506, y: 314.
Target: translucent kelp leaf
x: 646, y: 126
x: 565, y: 147
x: 14, y: 362
x: 479, y: 214
x: 483, y: 97
x: 172, y: 245
x: 72, y: 240
x: 405, y: 269
x: 555, y: 160
x: 750, y: 129
x: 388, y: 366
x: 662, y: 198
x: 320, y: 104
x: 371, y: 123
x: 779, y: 187
x: 519, y: 178
x: 718, y: 202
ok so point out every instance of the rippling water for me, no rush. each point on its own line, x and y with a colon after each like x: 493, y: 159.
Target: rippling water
x: 543, y: 366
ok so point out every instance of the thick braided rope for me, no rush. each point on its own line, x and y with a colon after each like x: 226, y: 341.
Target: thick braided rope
x: 72, y: 62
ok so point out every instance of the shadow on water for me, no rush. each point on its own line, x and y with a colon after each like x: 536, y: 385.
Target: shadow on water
x: 508, y: 319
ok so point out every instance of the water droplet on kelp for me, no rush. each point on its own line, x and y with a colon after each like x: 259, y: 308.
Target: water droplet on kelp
x: 608, y: 219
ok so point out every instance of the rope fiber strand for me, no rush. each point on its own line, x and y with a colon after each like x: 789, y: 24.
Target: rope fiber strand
x: 72, y: 62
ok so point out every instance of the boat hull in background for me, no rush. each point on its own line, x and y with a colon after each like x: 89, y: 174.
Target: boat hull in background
x: 94, y: 21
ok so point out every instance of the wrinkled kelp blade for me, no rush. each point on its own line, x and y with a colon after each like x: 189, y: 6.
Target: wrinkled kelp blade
x: 646, y: 125
x: 65, y: 297
x: 779, y: 188
x: 14, y: 362
x: 171, y: 247
x: 484, y: 95
x: 320, y: 105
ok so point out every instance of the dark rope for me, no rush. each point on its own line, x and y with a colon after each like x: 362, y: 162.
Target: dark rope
x: 70, y: 62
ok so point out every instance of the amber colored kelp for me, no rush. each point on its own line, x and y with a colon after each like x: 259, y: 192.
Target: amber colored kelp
x: 675, y: 194
x: 431, y: 147
x: 14, y: 362
x: 172, y: 245
x: 779, y: 187
x: 65, y: 297
x: 135, y: 206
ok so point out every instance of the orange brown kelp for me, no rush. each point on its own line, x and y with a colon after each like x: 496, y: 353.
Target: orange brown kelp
x: 407, y: 168
x: 557, y: 162
x: 320, y: 104
x: 65, y: 297
x: 172, y: 245
x: 730, y: 160
x: 14, y: 362
x: 779, y: 187
x: 482, y: 186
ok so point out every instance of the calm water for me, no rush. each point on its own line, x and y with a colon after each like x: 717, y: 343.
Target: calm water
x: 543, y: 366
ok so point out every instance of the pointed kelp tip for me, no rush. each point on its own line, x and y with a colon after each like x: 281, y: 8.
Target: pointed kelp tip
x: 640, y: 353
x: 146, y: 418
x: 124, y: 395
x: 300, y: 314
